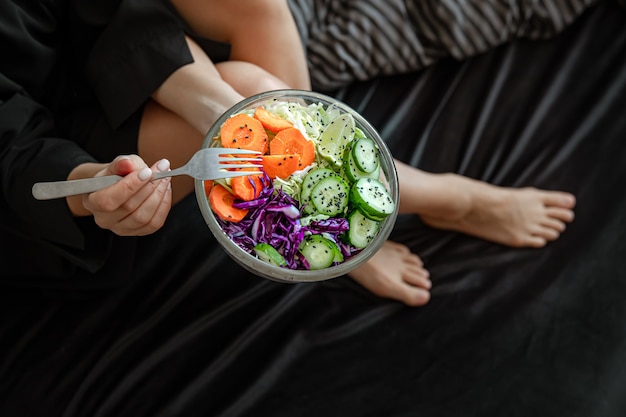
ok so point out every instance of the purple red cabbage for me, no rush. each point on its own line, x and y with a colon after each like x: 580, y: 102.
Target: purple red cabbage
x: 274, y: 218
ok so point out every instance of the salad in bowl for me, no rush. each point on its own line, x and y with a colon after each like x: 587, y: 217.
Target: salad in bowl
x: 327, y: 197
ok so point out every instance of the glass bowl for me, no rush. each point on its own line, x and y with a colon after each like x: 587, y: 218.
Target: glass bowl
x: 252, y: 263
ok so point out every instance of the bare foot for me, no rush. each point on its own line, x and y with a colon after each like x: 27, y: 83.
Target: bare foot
x: 524, y: 217
x: 397, y: 273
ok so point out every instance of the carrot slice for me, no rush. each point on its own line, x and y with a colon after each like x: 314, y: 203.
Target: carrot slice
x: 271, y: 121
x: 247, y: 188
x: 292, y: 141
x: 280, y: 166
x: 242, y: 131
x: 221, y: 201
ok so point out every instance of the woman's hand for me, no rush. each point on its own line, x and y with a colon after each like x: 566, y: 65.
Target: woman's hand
x: 134, y: 206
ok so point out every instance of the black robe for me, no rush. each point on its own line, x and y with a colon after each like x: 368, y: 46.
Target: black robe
x: 72, y: 88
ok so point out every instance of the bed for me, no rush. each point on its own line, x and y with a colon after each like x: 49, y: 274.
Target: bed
x: 508, y: 332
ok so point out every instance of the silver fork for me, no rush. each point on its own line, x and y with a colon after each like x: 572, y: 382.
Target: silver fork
x: 205, y: 164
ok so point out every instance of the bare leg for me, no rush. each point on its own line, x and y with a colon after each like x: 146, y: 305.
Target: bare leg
x: 261, y: 32
x: 197, y: 91
x: 247, y: 78
x: 525, y: 217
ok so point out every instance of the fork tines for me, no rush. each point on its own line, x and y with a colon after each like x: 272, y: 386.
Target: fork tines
x: 231, y: 167
x: 238, y: 159
x: 238, y: 162
x: 231, y: 161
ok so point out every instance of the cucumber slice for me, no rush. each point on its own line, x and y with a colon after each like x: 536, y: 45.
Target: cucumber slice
x: 269, y: 254
x: 335, y: 138
x: 362, y: 229
x: 352, y: 172
x: 365, y: 155
x: 308, y: 182
x: 372, y: 199
x: 330, y: 195
x: 320, y: 252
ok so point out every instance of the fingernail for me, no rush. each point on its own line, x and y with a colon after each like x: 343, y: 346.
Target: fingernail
x: 145, y: 173
x: 163, y: 165
x: 120, y: 158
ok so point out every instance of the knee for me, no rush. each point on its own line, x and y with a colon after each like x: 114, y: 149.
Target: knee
x: 248, y: 79
x: 267, y: 82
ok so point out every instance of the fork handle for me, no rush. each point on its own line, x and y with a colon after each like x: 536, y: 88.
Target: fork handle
x: 58, y: 189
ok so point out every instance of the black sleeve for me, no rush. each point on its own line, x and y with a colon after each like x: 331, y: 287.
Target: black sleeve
x: 141, y: 46
x: 32, y: 149
x: 29, y: 153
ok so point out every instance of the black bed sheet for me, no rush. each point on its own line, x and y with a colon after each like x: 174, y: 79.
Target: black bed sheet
x: 508, y: 332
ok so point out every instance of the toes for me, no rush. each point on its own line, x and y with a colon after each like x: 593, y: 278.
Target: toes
x: 419, y: 278
x: 562, y: 214
x: 399, y: 290
x: 549, y: 234
x: 541, y: 235
x: 536, y: 242
x: 554, y: 224
x: 415, y: 297
x: 413, y: 260
x: 560, y: 199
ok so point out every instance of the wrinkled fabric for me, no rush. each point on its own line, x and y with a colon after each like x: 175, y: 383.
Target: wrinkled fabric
x: 350, y: 40
x: 508, y: 332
